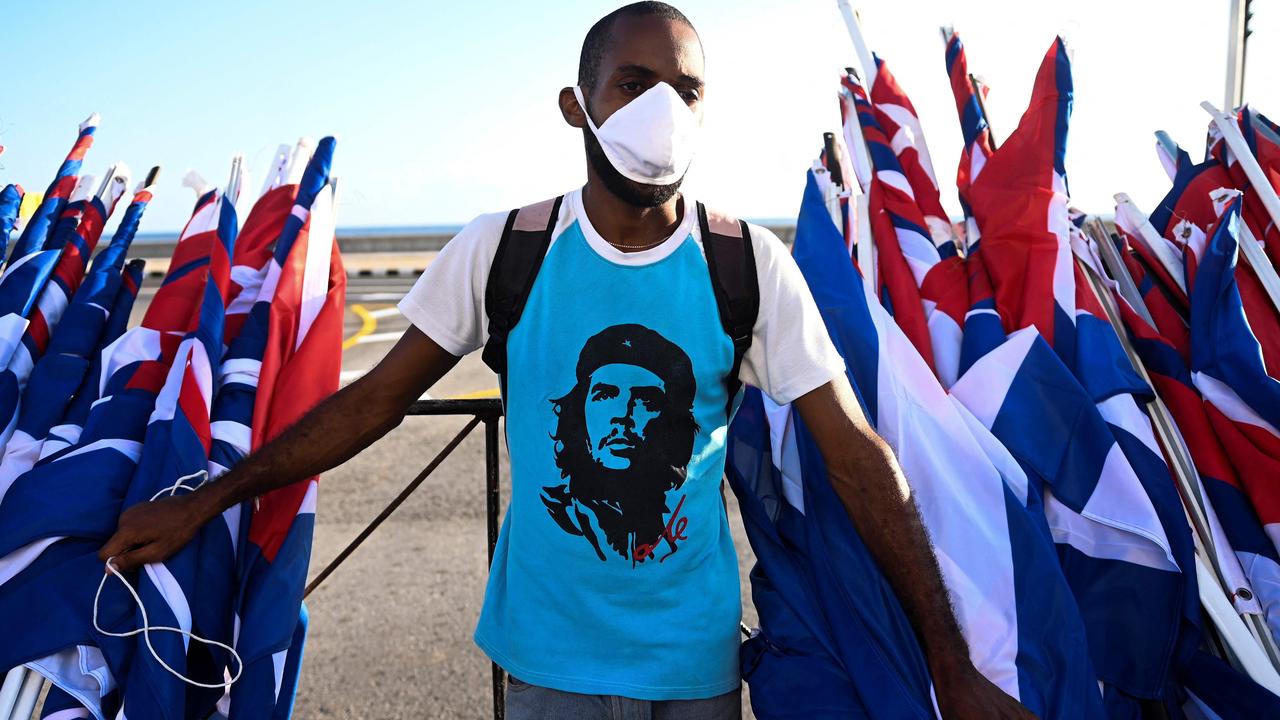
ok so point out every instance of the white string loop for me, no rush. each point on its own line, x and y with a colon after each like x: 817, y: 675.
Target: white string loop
x: 147, y: 628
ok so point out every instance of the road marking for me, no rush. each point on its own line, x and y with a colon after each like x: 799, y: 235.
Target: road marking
x: 368, y: 325
x: 384, y: 312
x: 378, y: 337
x: 480, y: 395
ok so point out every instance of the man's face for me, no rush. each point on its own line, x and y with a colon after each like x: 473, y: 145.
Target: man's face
x: 622, y: 402
x: 641, y: 52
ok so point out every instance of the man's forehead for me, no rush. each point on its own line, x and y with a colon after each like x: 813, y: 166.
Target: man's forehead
x: 665, y: 47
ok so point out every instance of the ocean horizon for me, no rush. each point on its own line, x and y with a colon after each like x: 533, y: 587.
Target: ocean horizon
x: 376, y: 231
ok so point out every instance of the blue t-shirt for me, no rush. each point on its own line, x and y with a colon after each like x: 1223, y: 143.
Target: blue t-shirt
x: 615, y: 571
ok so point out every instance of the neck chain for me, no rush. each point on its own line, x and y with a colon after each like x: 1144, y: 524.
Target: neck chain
x: 633, y: 248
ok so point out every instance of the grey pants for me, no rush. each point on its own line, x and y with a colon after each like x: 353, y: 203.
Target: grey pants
x: 533, y: 702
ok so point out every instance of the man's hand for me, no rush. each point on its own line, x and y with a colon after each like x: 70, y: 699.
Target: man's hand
x: 968, y: 695
x: 152, y: 531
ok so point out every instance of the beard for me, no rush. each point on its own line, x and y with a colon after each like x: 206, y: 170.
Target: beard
x: 624, y: 188
x: 629, y: 505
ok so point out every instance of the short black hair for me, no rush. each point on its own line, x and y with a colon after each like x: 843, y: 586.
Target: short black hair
x: 597, y: 39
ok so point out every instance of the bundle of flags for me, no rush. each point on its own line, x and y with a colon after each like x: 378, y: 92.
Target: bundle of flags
x: 1088, y: 422
x: 242, y: 336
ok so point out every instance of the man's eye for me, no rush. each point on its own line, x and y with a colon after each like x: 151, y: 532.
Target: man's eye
x: 604, y: 392
x: 689, y: 96
x: 632, y: 87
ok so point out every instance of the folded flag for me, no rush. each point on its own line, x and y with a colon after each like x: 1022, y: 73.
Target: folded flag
x: 301, y: 361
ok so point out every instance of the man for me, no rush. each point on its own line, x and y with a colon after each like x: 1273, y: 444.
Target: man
x: 624, y: 436
x: 625, y: 267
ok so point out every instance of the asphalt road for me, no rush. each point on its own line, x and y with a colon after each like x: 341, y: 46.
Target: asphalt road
x: 390, y: 632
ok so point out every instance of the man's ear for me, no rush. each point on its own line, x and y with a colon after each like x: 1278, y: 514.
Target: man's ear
x: 570, y: 109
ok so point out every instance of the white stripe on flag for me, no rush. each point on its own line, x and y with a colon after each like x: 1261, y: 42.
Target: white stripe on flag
x: 18, y: 560
x: 131, y: 449
x: 232, y: 431
x: 315, y: 274
x: 171, y: 591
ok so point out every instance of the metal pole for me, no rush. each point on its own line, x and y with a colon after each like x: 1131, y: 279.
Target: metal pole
x: 492, y: 504
x: 386, y: 512
x: 1235, y: 56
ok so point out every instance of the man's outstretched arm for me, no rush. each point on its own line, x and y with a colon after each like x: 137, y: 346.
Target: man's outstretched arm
x: 866, y: 476
x: 330, y: 434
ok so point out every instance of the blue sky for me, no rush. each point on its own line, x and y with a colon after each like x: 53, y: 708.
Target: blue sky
x: 444, y: 110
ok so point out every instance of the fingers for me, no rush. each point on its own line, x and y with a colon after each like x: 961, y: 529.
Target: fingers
x: 117, y: 545
x: 135, y: 558
x: 132, y: 534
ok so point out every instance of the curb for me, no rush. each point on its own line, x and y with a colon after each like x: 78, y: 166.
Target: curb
x: 361, y: 273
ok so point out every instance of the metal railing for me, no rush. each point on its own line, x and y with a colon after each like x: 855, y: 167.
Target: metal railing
x: 487, y: 411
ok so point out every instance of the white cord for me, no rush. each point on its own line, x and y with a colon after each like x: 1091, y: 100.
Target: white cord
x: 146, y: 628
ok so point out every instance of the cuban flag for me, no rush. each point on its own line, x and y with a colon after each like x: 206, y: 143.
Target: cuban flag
x: 1253, y: 576
x: 1014, y: 607
x: 1241, y: 396
x: 10, y: 204
x: 60, y: 373
x: 54, y: 517
x: 20, y: 287
x: 938, y: 271
x: 1188, y: 216
x: 38, y: 227
x: 1122, y: 532
x: 905, y: 250
x: 901, y: 125
x: 1196, y: 207
x: 177, y: 445
x: 301, y: 361
x: 244, y: 334
x: 67, y: 431
x: 75, y: 237
x: 978, y: 145
x: 833, y: 641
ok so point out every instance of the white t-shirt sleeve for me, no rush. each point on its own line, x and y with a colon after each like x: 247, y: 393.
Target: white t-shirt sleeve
x: 447, y: 301
x: 791, y: 352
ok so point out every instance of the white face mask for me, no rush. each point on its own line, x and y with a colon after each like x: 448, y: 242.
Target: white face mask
x: 651, y: 139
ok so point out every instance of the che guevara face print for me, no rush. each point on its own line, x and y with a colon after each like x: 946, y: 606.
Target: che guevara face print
x: 623, y: 439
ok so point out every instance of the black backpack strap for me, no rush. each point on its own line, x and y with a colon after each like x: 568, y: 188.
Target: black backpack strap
x: 731, y: 260
x: 523, y: 245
